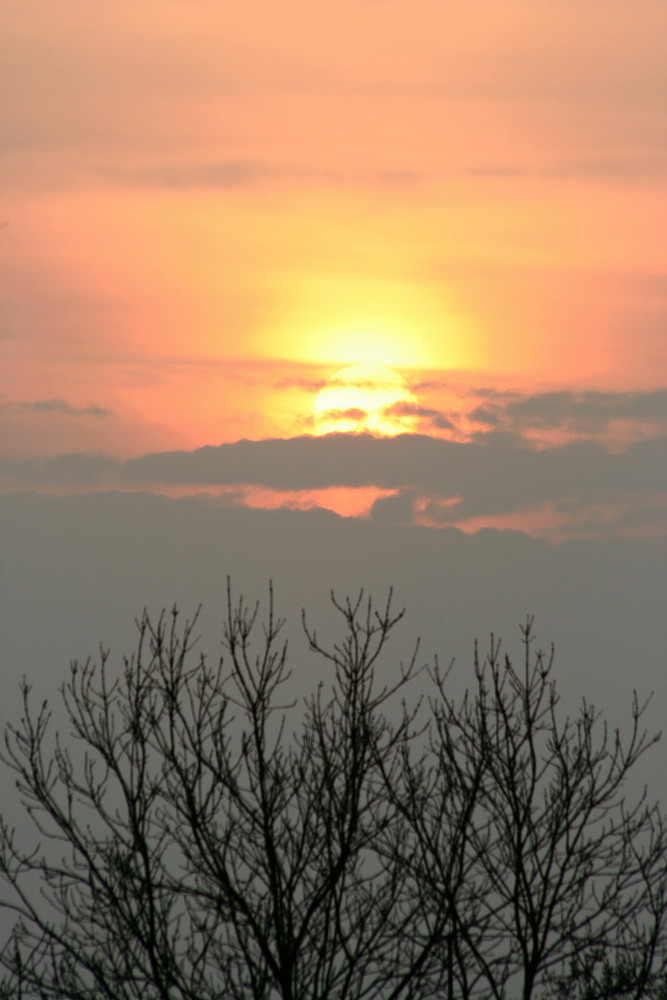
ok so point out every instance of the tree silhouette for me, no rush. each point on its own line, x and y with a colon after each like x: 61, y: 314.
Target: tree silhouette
x: 201, y: 838
x: 524, y: 850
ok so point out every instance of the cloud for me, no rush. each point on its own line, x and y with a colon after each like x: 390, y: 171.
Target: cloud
x: 432, y: 417
x: 63, y: 407
x: 351, y: 413
x: 652, y: 165
x: 395, y: 509
x: 223, y: 174
x: 486, y: 415
x: 495, y: 475
x: 75, y: 469
x: 352, y: 377
x: 499, y: 437
x: 360, y: 460
x: 399, y: 178
x: 238, y: 173
x: 487, y: 478
x: 430, y: 384
x: 495, y: 172
x: 307, y: 384
x: 571, y: 411
x: 600, y: 167
x: 303, y: 462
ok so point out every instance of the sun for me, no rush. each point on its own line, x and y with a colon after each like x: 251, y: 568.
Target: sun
x: 365, y: 398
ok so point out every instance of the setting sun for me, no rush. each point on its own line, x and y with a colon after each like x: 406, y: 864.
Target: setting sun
x: 365, y: 398
x: 325, y: 313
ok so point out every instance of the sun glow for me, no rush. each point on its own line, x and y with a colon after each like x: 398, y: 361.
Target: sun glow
x: 361, y: 345
x: 365, y: 398
x: 339, y: 319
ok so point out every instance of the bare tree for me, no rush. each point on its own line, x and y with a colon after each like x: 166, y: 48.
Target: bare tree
x: 200, y: 851
x: 201, y: 838
x: 541, y: 874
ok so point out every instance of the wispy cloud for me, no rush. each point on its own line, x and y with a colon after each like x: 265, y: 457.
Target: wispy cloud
x: 351, y: 413
x: 429, y: 416
x: 571, y: 411
x: 228, y: 174
x: 223, y: 174
x: 61, y: 406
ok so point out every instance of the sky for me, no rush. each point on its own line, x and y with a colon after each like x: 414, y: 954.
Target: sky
x: 351, y: 295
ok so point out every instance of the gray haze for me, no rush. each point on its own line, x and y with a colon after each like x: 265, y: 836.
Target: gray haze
x: 77, y: 570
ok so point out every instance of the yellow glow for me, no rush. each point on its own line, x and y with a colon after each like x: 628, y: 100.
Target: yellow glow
x: 363, y: 346
x: 363, y: 319
x: 365, y: 398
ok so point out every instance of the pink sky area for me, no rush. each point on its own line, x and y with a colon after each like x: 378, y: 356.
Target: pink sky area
x: 211, y: 208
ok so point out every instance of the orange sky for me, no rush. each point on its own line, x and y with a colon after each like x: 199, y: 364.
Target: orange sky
x: 211, y: 207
